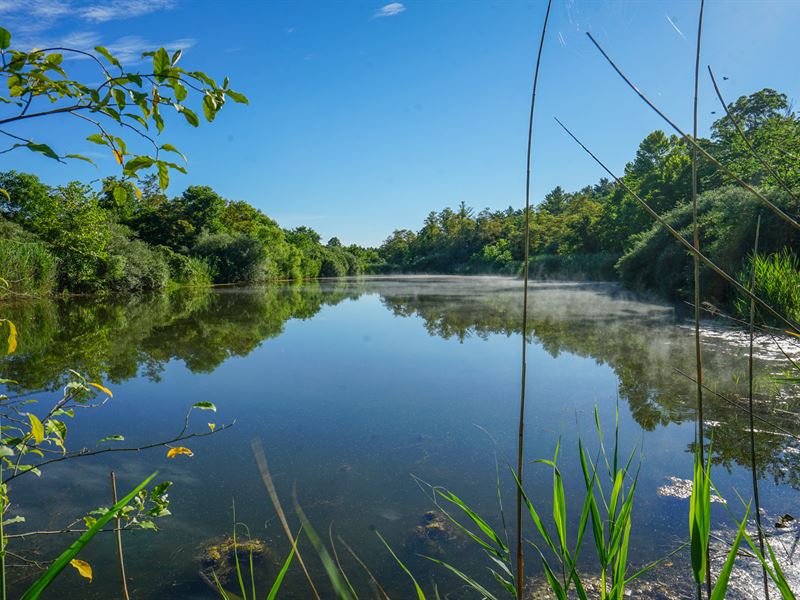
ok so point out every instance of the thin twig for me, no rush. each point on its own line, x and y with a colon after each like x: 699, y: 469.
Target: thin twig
x: 694, y: 144
x: 526, y: 273
x: 83, y: 453
x: 685, y: 243
x: 746, y: 141
x: 742, y: 407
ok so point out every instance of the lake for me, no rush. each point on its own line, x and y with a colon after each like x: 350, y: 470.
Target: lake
x: 361, y: 390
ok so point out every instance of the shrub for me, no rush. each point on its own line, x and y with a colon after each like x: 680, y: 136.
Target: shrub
x: 777, y: 282
x: 132, y: 265
x: 334, y: 263
x: 186, y: 270
x: 727, y: 219
x: 232, y: 258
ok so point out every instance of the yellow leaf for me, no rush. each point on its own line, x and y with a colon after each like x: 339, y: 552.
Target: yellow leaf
x: 12, y: 336
x: 102, y: 388
x: 118, y: 156
x: 37, y: 429
x: 84, y: 569
x: 138, y: 193
x: 173, y: 452
x: 792, y: 333
x: 212, y: 426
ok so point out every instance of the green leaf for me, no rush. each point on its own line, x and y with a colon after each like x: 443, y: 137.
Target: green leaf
x: 205, y: 406
x: 171, y: 148
x: 107, y: 55
x: 209, y: 108
x: 237, y: 97
x: 190, y: 117
x: 161, y: 63
x: 176, y: 57
x: 5, y: 38
x: 119, y: 97
x: 41, y: 584
x: 137, y: 163
x: 80, y: 157
x: 180, y: 91
x: 112, y: 438
x: 97, y: 138
x: 163, y: 175
x: 120, y: 195
x: 41, y: 149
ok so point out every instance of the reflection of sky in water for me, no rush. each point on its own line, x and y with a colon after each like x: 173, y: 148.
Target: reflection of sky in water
x: 354, y: 398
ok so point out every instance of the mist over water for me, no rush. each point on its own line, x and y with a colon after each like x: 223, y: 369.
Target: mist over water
x: 354, y: 386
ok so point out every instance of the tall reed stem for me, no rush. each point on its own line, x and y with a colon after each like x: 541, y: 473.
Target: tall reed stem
x: 3, y: 540
x: 118, y: 531
x: 750, y: 400
x: 696, y: 243
x: 526, y: 273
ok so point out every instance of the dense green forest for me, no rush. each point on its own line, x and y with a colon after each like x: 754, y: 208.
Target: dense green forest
x: 599, y: 232
x: 78, y: 238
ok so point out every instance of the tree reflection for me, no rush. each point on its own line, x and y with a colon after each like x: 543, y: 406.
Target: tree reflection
x: 646, y: 345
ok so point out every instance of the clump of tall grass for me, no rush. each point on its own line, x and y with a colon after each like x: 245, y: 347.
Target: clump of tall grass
x: 776, y: 279
x: 27, y: 267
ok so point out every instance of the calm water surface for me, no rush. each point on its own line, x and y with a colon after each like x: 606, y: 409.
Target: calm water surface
x: 355, y: 386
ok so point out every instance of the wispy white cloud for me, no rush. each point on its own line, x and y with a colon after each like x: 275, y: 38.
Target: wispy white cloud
x: 42, y: 24
x: 123, y: 9
x: 389, y: 10
x: 30, y: 21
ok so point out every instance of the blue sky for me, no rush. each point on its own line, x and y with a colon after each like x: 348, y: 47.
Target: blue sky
x: 365, y: 116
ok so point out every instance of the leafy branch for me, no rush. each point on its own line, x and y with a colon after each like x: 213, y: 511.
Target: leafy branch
x: 130, y: 100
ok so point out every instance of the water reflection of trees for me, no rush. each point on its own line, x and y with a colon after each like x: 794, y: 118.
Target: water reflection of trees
x: 642, y: 343
x: 116, y: 340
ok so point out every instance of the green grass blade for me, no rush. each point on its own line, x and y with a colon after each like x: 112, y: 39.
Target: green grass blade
x: 560, y: 509
x: 420, y: 593
x: 236, y: 559
x: 327, y: 562
x: 466, y: 578
x: 223, y: 594
x: 62, y: 561
x: 721, y: 587
x: 535, y: 516
x: 474, y: 517
x: 276, y: 585
x: 552, y: 580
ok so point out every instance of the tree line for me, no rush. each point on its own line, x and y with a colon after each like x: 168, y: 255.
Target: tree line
x: 600, y: 232
x: 121, y: 238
